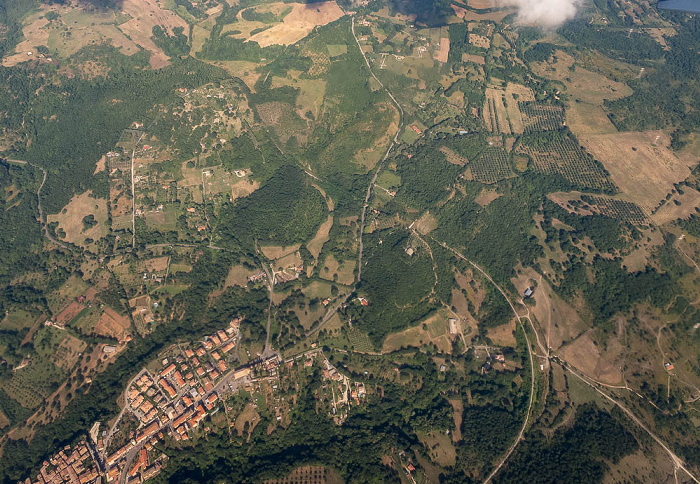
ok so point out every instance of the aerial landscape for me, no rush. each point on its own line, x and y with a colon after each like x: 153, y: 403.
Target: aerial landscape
x: 349, y: 241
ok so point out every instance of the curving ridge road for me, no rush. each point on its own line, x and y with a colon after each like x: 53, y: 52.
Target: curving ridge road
x: 678, y: 463
x: 529, y: 352
x: 370, y: 187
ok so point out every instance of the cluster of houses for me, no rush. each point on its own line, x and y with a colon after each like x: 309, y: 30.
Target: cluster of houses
x: 176, y: 397
x: 72, y: 465
x: 175, y: 400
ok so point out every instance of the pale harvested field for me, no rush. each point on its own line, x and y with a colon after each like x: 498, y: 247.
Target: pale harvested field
x: 584, y: 355
x: 243, y: 28
x: 299, y: 23
x: 289, y: 260
x: 273, y: 252
x: 640, y: 164
x: 71, y: 221
x: 244, y: 70
x: 523, y: 93
x: 443, y: 52
x: 481, y: 4
x: 315, y: 245
x: 689, y: 201
x: 344, y: 270
x: 145, y: 14
x: 417, y: 337
x: 157, y: 264
x: 587, y: 119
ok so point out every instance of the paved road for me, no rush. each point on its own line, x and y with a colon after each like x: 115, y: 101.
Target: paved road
x: 677, y: 461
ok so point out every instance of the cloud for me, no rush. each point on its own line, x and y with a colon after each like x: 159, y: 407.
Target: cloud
x: 544, y: 13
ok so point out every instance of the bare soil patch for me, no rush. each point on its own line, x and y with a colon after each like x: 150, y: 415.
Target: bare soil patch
x: 443, y: 50
x: 487, y: 196
x: 585, y: 356
x: 113, y: 324
x: 503, y: 335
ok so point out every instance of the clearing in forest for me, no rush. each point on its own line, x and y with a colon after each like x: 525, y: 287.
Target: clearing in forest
x: 273, y: 252
x: 316, y: 244
x: 84, y: 218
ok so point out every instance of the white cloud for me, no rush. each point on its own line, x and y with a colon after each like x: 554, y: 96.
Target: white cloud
x: 545, y: 13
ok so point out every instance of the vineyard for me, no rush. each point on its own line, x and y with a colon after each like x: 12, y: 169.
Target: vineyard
x: 491, y: 166
x: 360, y: 341
x: 541, y: 117
x: 566, y: 158
x: 619, y: 209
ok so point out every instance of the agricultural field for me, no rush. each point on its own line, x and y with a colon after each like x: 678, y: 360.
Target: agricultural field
x: 640, y: 164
